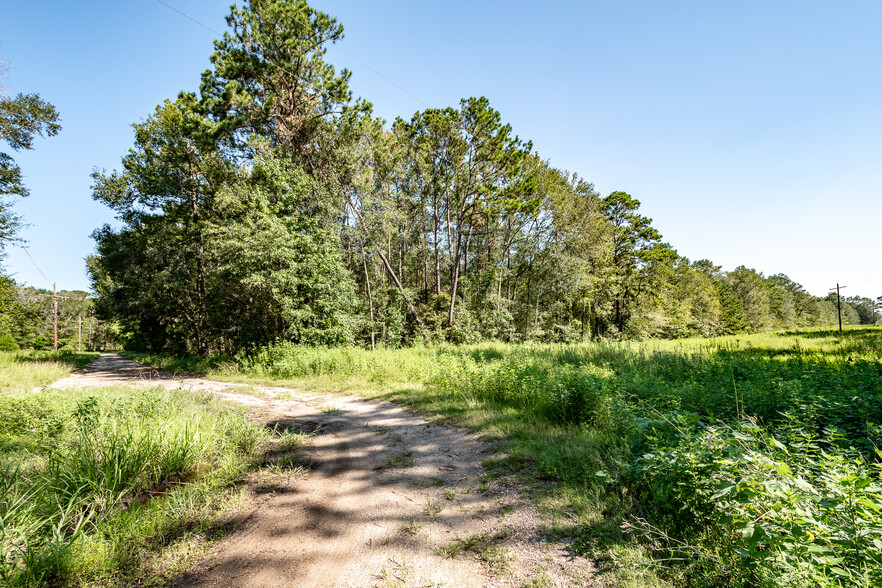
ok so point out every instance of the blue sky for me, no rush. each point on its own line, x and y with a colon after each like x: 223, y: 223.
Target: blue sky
x: 750, y: 131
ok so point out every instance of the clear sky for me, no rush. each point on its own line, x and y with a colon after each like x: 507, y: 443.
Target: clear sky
x: 751, y: 131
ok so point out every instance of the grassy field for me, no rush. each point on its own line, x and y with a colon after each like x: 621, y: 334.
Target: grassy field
x: 736, y: 461
x: 25, y: 370
x: 114, y: 487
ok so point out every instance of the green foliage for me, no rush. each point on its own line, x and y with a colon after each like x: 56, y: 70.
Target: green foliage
x: 271, y: 206
x: 88, y: 476
x: 30, y: 319
x: 271, y: 251
x: 799, y: 512
x: 8, y: 342
x: 21, y: 119
x: 230, y: 199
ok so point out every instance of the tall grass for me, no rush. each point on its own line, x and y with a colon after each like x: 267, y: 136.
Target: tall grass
x: 25, y: 370
x: 94, y: 481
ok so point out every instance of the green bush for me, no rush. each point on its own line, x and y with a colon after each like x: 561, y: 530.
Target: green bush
x: 757, y: 511
x: 8, y: 343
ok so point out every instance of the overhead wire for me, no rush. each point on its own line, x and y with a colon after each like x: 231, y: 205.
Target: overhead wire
x: 307, y: 24
x: 25, y: 249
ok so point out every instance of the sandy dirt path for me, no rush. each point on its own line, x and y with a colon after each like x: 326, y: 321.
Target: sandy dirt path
x: 387, y: 499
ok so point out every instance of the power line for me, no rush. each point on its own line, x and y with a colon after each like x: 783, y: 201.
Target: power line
x: 423, y: 102
x: 184, y: 14
x: 35, y: 264
x: 417, y: 98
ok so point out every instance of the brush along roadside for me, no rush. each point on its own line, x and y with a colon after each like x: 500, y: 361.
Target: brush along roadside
x: 118, y: 485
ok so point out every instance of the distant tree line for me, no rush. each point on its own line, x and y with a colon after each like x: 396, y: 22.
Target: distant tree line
x: 271, y: 205
x: 26, y: 320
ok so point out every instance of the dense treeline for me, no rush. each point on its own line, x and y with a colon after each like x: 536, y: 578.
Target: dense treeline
x: 271, y: 205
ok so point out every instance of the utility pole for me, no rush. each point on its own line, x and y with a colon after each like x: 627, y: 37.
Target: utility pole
x: 54, y: 318
x: 55, y: 298
x: 838, y: 306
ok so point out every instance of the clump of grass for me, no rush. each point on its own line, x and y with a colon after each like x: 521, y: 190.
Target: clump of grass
x: 433, y: 508
x: 94, y: 482
x: 485, y: 544
x: 401, y: 460
x: 413, y: 527
x: 420, y: 484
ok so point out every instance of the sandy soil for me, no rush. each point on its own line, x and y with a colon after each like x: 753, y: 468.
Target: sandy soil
x: 387, y: 499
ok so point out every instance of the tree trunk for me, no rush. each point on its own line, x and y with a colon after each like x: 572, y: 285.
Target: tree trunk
x: 454, y: 277
x: 583, y: 320
x: 437, y: 257
x: 367, y: 281
x: 200, y: 273
x: 394, y: 277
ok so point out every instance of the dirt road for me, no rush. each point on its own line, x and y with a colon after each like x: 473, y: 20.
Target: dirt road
x: 390, y: 499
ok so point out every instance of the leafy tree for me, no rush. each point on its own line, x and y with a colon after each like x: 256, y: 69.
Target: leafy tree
x: 271, y: 205
x: 750, y: 287
x: 270, y: 80
x: 171, y: 174
x: 732, y: 317
x: 21, y: 119
x: 864, y: 308
x: 850, y: 314
x: 31, y: 319
x: 469, y: 170
x: 179, y: 268
x: 635, y: 249
x: 276, y: 271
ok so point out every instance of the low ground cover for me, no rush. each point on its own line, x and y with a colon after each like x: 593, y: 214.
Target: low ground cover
x: 113, y: 486
x: 24, y: 370
x: 747, y: 460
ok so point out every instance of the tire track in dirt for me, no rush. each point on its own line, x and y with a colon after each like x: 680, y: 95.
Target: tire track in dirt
x: 389, y: 499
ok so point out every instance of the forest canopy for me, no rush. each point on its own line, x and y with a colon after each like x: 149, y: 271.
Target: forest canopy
x: 272, y: 205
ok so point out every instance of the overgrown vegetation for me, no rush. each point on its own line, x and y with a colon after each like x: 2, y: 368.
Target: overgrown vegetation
x: 112, y: 486
x: 742, y: 461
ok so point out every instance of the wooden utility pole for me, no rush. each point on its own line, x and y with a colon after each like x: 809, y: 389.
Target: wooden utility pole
x: 838, y: 305
x: 54, y: 318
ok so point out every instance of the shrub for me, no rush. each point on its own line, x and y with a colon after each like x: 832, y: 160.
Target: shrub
x: 8, y: 343
x: 745, y: 506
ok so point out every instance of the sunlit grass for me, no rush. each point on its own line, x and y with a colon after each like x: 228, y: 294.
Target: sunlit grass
x: 117, y: 485
x: 25, y: 370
